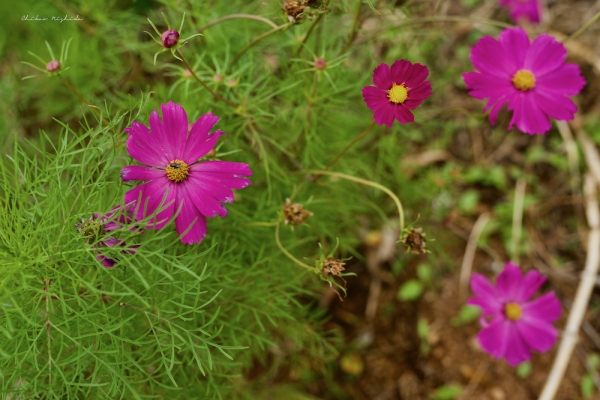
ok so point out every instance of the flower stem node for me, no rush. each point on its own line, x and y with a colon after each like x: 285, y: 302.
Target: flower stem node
x: 294, y: 213
x: 415, y: 241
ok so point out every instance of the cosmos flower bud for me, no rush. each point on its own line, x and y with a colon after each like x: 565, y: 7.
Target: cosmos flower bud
x: 169, y: 38
x: 52, y: 66
x: 320, y: 64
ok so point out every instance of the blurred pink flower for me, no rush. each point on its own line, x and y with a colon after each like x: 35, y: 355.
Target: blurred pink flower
x: 532, y: 78
x: 513, y: 325
x: 192, y: 189
x: 519, y: 9
x: 397, y: 90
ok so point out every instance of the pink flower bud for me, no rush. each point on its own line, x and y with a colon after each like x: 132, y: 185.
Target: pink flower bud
x: 169, y: 38
x: 52, y: 66
x: 320, y: 64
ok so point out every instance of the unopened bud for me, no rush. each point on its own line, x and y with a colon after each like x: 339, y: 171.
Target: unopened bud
x: 52, y: 66
x: 320, y: 64
x: 169, y: 38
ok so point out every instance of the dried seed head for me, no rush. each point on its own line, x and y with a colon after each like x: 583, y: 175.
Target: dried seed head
x: 320, y: 64
x: 415, y: 241
x: 293, y: 8
x: 52, y: 66
x: 294, y: 214
x: 332, y: 266
x: 169, y: 38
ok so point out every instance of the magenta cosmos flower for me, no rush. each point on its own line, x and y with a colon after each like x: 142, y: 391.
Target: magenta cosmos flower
x: 95, y: 228
x: 532, y: 78
x: 192, y: 189
x: 523, y: 9
x: 397, y: 90
x: 512, y: 324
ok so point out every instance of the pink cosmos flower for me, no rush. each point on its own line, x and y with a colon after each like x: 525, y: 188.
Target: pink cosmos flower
x: 532, y: 78
x: 96, y: 227
x: 397, y: 90
x: 519, y: 9
x: 513, y: 325
x: 192, y: 189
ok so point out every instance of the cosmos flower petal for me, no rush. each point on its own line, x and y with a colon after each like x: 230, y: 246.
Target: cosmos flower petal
x: 509, y: 282
x: 140, y: 173
x: 545, y: 308
x: 144, y: 147
x: 545, y: 55
x: 487, y: 297
x: 187, y: 216
x: 561, y: 109
x: 416, y: 75
x: 417, y: 95
x: 566, y: 80
x: 399, y: 71
x: 494, y: 338
x: 403, y: 115
x: 517, y: 350
x: 152, y: 194
x: 516, y: 44
x: 488, y: 55
x: 214, y: 188
x: 203, y: 199
x: 227, y: 179
x: 375, y: 98
x: 523, y: 9
x: 531, y: 283
x: 385, y: 116
x: 538, y: 334
x: 200, y: 140
x: 162, y: 136
x: 528, y: 115
x: 235, y: 168
x: 381, y: 77
x: 175, y: 126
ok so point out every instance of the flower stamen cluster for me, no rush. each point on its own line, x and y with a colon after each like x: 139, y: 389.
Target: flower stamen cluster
x: 177, y: 171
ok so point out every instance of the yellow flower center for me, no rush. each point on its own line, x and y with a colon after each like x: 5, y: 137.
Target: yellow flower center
x: 177, y: 171
x: 513, y: 311
x: 524, y: 80
x: 398, y: 94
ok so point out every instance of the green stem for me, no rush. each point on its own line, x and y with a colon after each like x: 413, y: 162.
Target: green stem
x: 363, y: 182
x: 237, y: 16
x: 254, y: 41
x: 349, y: 145
x: 583, y: 28
x: 287, y: 253
x: 354, y: 28
x: 80, y: 97
x: 308, y: 32
x: 204, y: 85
